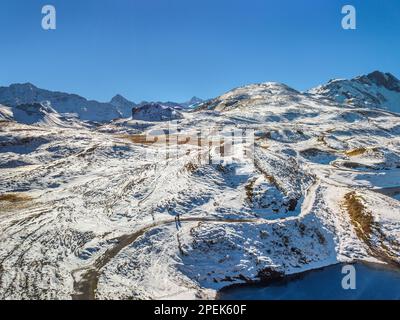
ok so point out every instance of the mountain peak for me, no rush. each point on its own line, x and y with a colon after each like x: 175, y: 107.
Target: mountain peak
x: 381, y: 79
x: 374, y: 90
x: 195, y: 99
x: 192, y: 102
x: 23, y: 86
x: 119, y: 99
x: 123, y: 105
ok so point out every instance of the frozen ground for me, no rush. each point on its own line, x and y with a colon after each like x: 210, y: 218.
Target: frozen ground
x: 88, y: 211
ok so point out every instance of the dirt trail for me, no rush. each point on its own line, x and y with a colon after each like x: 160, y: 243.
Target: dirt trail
x: 85, y: 287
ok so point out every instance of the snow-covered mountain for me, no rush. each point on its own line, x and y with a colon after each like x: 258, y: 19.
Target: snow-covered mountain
x: 72, y: 104
x: 252, y: 96
x: 155, y: 112
x: 267, y: 182
x: 176, y: 105
x: 27, y: 93
x: 39, y: 114
x: 32, y: 114
x: 123, y: 105
x: 192, y: 102
x: 169, y: 104
x: 374, y: 90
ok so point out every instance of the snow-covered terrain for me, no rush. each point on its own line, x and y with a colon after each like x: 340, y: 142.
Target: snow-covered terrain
x: 39, y: 114
x: 266, y: 181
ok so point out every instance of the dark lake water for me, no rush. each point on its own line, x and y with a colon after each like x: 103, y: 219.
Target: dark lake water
x: 372, y: 282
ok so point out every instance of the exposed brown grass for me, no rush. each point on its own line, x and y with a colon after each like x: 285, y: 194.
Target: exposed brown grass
x: 14, y: 201
x: 191, y: 167
x: 172, y: 139
x: 360, y: 218
x: 356, y: 152
x: 249, y: 187
x: 367, y: 229
x: 264, y: 146
x: 14, y: 197
x: 139, y: 138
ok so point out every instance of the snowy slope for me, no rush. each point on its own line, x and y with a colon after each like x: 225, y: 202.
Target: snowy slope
x: 17, y: 94
x: 5, y: 113
x: 38, y: 114
x: 268, y: 181
x: 375, y: 90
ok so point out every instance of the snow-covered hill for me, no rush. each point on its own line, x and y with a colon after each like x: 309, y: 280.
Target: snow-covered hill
x: 375, y: 90
x: 38, y: 114
x: 267, y: 181
x: 5, y: 113
x: 253, y: 96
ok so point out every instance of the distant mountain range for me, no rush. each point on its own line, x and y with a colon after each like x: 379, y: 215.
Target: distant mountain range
x: 374, y: 90
x: 65, y: 103
x: 72, y: 104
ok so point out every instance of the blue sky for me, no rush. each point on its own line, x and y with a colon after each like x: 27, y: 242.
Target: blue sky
x: 174, y: 49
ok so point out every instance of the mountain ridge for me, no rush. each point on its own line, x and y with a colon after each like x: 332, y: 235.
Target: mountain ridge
x: 373, y: 90
x: 69, y: 103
